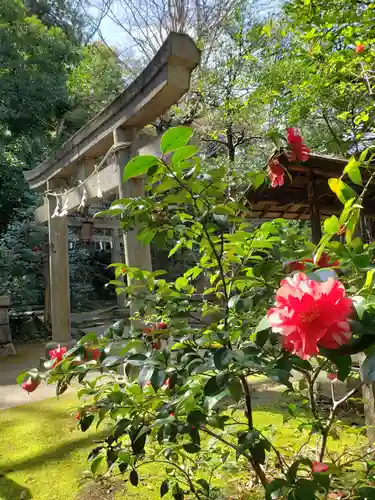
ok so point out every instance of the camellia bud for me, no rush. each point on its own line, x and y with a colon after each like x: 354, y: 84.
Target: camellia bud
x: 30, y: 384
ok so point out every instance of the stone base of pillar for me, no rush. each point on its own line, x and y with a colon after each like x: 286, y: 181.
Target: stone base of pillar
x: 7, y: 350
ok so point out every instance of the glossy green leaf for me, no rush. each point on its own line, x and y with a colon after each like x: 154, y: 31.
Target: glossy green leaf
x: 133, y: 477
x: 353, y: 171
x: 147, y: 235
x: 343, y: 192
x: 191, y: 448
x: 235, y: 389
x: 331, y: 225
x: 222, y: 358
x: 164, y: 487
x: 175, y: 138
x: 99, y: 465
x: 139, y: 165
x: 85, y: 422
x: 183, y: 154
x: 158, y: 378
x: 196, y: 418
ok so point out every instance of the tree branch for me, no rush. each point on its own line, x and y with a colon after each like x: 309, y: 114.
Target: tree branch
x: 257, y: 468
x: 332, y: 414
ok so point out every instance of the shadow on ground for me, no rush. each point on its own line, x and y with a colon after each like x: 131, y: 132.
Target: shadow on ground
x: 10, y: 490
x: 58, y: 453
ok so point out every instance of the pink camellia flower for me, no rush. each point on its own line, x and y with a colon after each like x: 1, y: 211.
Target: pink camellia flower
x: 30, y: 384
x: 275, y: 173
x: 319, y: 467
x: 360, y: 48
x: 309, y: 313
x: 298, y: 150
x: 57, y: 354
x: 332, y: 376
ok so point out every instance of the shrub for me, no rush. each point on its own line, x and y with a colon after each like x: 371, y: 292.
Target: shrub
x: 271, y: 309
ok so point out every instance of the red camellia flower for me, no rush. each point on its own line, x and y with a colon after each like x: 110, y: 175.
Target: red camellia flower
x: 332, y: 376
x: 92, y: 353
x: 57, y: 354
x: 360, y: 48
x: 275, y: 173
x: 325, y: 261
x: 295, y: 266
x: 161, y: 325
x: 309, y: 313
x: 319, y: 467
x: 298, y: 150
x: 30, y: 384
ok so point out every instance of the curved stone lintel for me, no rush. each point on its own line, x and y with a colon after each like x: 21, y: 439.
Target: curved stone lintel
x: 160, y: 85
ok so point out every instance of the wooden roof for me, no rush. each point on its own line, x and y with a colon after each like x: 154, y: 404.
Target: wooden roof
x: 291, y: 201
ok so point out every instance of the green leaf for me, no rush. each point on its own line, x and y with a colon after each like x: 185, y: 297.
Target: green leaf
x: 235, y: 389
x: 85, y: 422
x: 257, y: 180
x: 139, y: 165
x: 205, y: 485
x: 133, y: 477
x: 347, y: 210
x: 158, y: 378
x: 196, y: 418
x: 216, y: 384
x: 369, y: 279
x: 99, y: 465
x: 183, y: 154
x: 278, y: 488
x: 223, y: 210
x: 147, y: 235
x: 263, y: 324
x: 175, y: 138
x: 351, y: 225
x: 191, y: 448
x: 145, y: 375
x: 164, y: 487
x: 181, y: 283
x: 222, y: 358
x: 331, y: 225
x: 343, y: 192
x: 217, y: 421
x: 292, y: 472
x: 352, y: 169
x: 366, y: 493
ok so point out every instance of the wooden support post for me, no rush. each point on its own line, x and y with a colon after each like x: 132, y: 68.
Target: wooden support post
x: 368, y: 391
x: 59, y: 270
x: 136, y: 254
x: 316, y: 229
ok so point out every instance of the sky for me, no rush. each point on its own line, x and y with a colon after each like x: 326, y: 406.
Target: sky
x: 115, y: 36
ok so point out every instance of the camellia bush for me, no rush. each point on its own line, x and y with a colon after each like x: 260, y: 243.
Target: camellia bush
x: 174, y: 387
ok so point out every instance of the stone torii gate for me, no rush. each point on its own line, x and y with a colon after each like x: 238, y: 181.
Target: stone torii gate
x: 72, y: 172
